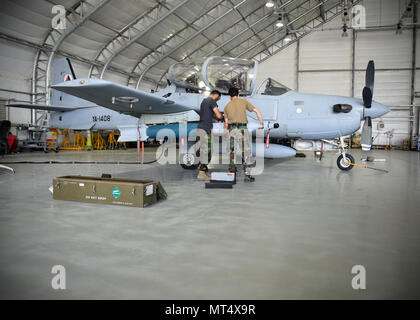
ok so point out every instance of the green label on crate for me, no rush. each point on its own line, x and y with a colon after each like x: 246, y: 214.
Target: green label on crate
x: 116, y: 193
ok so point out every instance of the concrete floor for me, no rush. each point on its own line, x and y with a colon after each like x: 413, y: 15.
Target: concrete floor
x: 295, y: 233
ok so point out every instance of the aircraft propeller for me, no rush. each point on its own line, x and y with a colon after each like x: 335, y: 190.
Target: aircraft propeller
x: 366, y: 138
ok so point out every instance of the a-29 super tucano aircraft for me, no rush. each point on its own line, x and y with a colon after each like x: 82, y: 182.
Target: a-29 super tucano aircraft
x: 286, y: 113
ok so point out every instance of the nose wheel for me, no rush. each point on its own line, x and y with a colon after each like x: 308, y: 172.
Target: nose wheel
x: 344, y: 160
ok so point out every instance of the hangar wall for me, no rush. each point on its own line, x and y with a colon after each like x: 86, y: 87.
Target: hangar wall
x: 15, y: 74
x: 325, y: 62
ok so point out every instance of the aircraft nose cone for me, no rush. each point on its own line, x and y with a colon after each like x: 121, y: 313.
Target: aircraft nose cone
x: 377, y: 110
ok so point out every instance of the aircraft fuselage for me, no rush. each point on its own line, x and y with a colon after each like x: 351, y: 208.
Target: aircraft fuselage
x: 95, y: 118
x: 299, y: 115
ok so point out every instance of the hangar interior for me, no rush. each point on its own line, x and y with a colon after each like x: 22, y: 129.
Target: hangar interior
x: 295, y: 233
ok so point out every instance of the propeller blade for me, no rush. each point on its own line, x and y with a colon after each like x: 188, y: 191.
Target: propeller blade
x: 366, y: 139
x: 370, y: 75
x: 367, y: 97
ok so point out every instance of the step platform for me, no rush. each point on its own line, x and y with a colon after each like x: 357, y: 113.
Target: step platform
x: 221, y: 180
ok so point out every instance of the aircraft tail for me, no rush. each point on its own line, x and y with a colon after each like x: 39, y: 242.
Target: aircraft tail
x: 63, y: 71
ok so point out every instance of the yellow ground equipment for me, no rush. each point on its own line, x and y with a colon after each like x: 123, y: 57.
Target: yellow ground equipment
x: 363, y: 166
x: 98, y: 141
x: 356, y: 141
x: 79, y: 140
x: 112, y: 140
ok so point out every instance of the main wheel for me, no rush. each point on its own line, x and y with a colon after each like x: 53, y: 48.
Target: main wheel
x: 341, y: 162
x: 188, y: 161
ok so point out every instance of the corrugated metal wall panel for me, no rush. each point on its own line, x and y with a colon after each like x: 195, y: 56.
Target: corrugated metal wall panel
x: 15, y: 74
x: 3, y: 113
x: 325, y: 50
x: 392, y: 88
x: 280, y: 68
x: 388, y: 49
x: 383, y: 12
x: 333, y: 83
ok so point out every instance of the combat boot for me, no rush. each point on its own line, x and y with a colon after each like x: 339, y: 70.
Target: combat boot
x: 203, y: 175
x: 232, y: 168
x: 249, y: 178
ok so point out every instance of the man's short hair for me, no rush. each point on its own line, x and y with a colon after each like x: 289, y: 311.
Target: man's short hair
x: 233, y: 92
x: 216, y: 92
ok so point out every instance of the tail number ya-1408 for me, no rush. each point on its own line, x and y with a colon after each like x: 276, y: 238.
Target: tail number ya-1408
x: 101, y: 118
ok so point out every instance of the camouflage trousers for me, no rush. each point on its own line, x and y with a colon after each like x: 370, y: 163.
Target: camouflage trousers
x: 240, y: 140
x: 205, y: 149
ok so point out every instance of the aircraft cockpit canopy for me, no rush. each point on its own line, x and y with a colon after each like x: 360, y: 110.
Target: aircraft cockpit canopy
x: 187, y: 75
x: 221, y: 73
x: 271, y: 87
x: 216, y: 73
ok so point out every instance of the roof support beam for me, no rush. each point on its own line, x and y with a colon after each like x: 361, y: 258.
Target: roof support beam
x: 48, y: 49
x: 246, y: 29
x: 120, y: 33
x: 237, y: 35
x: 172, y: 36
x: 276, y: 32
x: 330, y: 14
x: 112, y: 57
x: 191, y: 25
x: 322, y: 10
x: 189, y: 39
x: 246, y: 22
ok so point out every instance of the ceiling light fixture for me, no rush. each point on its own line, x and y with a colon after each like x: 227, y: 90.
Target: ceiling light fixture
x: 399, y: 28
x: 269, y: 4
x: 344, y: 34
x: 287, y: 38
x: 345, y: 15
x: 409, y: 11
x: 279, y: 22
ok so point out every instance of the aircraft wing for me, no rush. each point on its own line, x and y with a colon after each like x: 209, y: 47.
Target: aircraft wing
x: 119, y: 98
x: 43, y: 107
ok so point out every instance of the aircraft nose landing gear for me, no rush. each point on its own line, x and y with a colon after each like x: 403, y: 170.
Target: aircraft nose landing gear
x: 344, y: 160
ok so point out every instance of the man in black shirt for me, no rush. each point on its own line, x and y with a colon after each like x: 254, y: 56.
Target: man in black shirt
x: 208, y: 111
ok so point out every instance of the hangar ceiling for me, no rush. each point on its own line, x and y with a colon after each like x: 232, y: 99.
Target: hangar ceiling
x: 141, y: 39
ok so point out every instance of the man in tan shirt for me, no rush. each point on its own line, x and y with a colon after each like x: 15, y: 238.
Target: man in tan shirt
x: 236, y: 122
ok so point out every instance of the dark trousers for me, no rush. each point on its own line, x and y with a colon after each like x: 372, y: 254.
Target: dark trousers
x: 205, y: 149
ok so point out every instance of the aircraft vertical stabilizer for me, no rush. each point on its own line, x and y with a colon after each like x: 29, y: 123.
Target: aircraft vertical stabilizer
x: 63, y: 71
